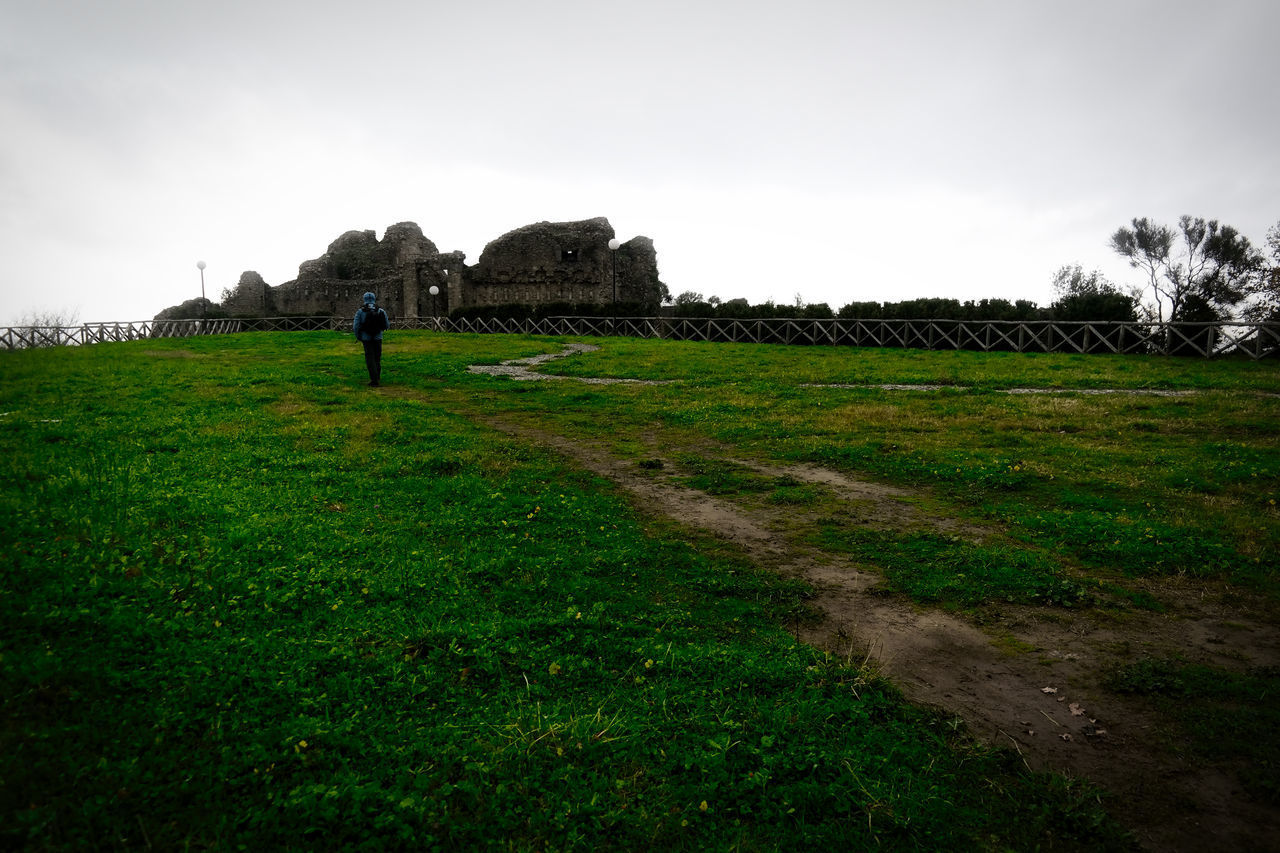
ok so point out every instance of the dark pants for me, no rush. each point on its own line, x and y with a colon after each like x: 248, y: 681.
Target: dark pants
x: 373, y: 360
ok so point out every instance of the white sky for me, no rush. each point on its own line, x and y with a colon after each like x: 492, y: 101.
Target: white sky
x: 837, y: 149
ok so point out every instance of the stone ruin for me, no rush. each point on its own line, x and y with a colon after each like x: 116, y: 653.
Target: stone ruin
x: 546, y: 263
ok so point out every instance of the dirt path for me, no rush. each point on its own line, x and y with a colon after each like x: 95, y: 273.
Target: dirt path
x: 1029, y: 680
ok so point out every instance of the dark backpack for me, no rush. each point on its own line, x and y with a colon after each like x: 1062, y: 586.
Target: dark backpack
x: 374, y: 321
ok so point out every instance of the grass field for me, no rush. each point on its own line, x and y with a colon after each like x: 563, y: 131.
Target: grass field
x: 249, y: 602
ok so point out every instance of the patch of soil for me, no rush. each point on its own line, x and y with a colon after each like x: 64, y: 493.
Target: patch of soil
x: 1029, y: 679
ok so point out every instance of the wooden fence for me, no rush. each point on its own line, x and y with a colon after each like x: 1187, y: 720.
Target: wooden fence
x: 1203, y: 340
x: 24, y: 337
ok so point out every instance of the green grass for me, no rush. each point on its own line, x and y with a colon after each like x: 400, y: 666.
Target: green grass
x: 710, y: 363
x: 1098, y: 499
x: 1121, y: 485
x: 722, y: 477
x: 1214, y: 714
x: 249, y: 603
x: 931, y: 567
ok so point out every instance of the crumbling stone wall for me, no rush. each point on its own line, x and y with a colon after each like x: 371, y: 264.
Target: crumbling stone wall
x: 357, y: 262
x: 547, y: 262
x: 564, y: 262
x: 250, y: 298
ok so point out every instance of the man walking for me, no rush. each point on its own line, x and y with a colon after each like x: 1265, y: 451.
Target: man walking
x: 370, y: 322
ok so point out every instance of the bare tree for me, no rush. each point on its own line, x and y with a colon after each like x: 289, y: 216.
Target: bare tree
x: 1201, y: 270
x: 1147, y: 247
x: 49, y: 317
x: 52, y: 325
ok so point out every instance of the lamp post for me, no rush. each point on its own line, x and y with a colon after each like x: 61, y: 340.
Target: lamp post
x: 435, y: 315
x: 200, y: 266
x: 613, y: 256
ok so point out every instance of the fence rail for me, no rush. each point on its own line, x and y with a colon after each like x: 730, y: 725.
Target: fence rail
x: 1204, y: 340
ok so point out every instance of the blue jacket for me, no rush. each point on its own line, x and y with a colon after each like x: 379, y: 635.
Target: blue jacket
x: 369, y: 325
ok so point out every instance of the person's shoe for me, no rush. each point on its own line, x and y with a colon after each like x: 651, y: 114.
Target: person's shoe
x: 373, y: 384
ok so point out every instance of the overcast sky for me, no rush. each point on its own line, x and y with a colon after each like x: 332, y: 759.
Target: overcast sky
x: 836, y: 149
